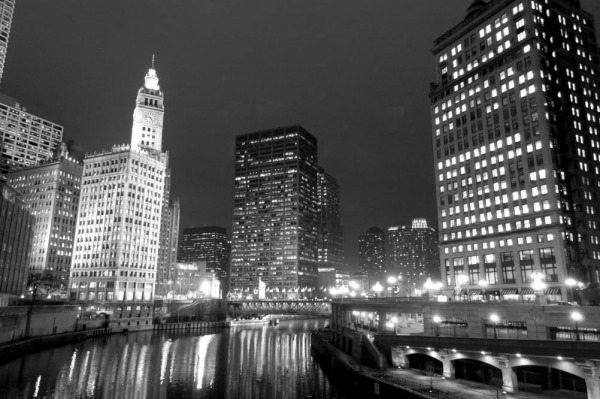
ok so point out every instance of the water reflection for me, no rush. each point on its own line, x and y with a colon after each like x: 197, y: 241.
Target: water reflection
x: 265, y: 362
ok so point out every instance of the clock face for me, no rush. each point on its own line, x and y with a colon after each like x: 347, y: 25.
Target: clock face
x: 149, y: 117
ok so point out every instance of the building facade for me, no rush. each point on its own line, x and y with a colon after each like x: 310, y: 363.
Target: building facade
x: 7, y: 9
x: 412, y: 252
x: 118, y: 229
x: 371, y: 253
x: 50, y: 192
x: 333, y: 270
x: 169, y: 236
x: 207, y: 244
x: 25, y: 139
x: 515, y: 116
x: 275, y: 214
x: 16, y: 234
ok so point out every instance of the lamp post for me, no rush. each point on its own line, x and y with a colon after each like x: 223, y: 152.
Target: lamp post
x: 436, y: 322
x: 377, y: 288
x: 494, y: 318
x: 571, y: 282
x: 538, y: 286
x: 577, y: 317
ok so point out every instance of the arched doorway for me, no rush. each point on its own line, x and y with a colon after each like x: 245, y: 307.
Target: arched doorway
x: 425, y: 363
x: 541, y: 378
x: 475, y: 370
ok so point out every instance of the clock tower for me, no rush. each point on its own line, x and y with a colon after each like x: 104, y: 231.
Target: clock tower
x: 148, y: 115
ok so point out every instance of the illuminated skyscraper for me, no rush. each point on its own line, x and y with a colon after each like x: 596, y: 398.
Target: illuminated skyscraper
x: 25, y: 139
x: 333, y: 270
x: 207, y: 244
x: 275, y: 214
x: 169, y: 238
x: 516, y: 116
x: 7, y: 9
x: 371, y: 253
x: 50, y: 192
x: 412, y: 252
x: 118, y: 228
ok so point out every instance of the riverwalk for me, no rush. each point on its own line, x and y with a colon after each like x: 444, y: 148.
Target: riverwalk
x: 422, y: 385
x: 470, y: 389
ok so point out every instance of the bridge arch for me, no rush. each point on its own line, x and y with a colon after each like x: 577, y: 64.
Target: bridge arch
x: 425, y: 361
x: 532, y: 377
x: 467, y: 368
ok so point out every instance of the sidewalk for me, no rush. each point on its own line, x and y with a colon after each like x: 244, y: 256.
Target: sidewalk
x: 469, y: 389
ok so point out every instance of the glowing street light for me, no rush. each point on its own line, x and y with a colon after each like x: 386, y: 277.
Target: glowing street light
x: 377, y: 288
x: 353, y: 284
x: 392, y: 280
x: 577, y: 317
x: 571, y: 282
x: 538, y: 285
x: 495, y: 319
x: 436, y: 321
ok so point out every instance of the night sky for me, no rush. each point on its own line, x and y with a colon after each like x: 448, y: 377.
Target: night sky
x: 354, y: 73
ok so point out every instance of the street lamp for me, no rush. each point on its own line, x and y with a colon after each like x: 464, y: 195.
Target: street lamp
x: 577, y: 317
x: 538, y: 286
x: 392, y: 280
x: 377, y: 288
x: 571, y: 282
x: 436, y: 321
x: 495, y: 319
x: 343, y: 290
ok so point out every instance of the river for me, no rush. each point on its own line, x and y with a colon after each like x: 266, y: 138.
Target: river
x: 255, y: 362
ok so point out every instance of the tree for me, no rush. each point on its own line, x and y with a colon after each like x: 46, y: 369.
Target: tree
x: 39, y: 284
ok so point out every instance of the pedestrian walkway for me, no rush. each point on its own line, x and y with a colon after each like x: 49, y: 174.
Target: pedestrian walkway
x: 470, y: 389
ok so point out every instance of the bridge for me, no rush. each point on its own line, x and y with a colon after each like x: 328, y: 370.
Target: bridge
x: 236, y: 308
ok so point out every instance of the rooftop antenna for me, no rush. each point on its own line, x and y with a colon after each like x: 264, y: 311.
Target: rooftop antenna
x: 152, y: 61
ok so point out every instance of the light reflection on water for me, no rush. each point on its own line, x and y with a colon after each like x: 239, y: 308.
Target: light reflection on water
x: 261, y: 362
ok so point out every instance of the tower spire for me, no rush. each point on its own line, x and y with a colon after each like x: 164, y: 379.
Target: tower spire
x: 152, y: 61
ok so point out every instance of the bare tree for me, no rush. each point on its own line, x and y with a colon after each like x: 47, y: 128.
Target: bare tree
x: 39, y: 284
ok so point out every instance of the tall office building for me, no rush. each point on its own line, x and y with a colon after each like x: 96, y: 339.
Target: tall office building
x: 275, y: 214
x: 118, y: 228
x: 7, y: 9
x: 169, y: 235
x: 50, y: 192
x: 25, y: 139
x: 207, y: 244
x: 412, y: 252
x: 371, y: 253
x: 515, y: 115
x: 333, y: 271
x: 16, y: 234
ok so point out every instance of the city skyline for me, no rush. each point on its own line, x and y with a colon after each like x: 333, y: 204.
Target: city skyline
x: 224, y: 82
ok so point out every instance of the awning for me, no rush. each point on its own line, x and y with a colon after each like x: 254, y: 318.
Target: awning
x: 509, y: 291
x: 527, y: 291
x: 476, y: 291
x: 552, y: 291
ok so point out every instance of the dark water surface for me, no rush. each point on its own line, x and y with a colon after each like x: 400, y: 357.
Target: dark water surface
x: 261, y: 362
